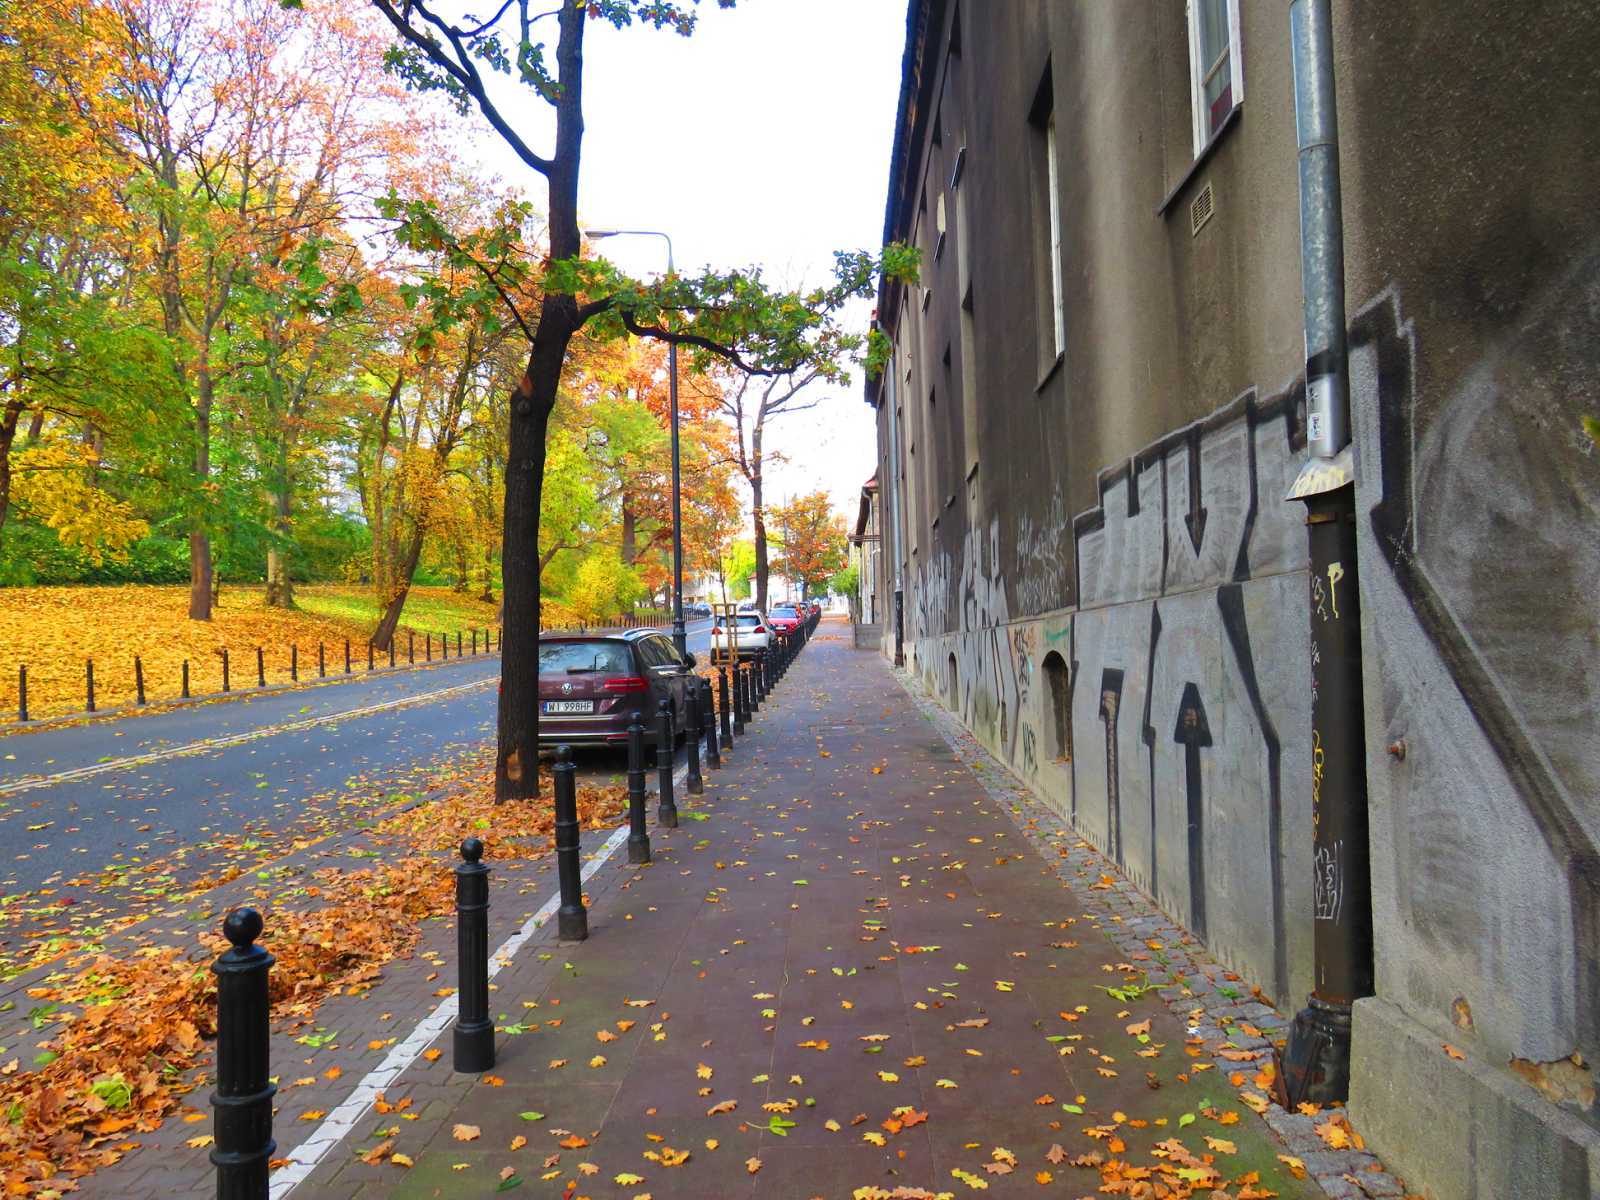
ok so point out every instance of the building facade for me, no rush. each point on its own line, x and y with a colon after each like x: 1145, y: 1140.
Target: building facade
x: 1093, y: 411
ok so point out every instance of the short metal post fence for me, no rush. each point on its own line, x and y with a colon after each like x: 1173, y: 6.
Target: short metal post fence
x: 391, y: 651
x: 261, y: 668
x: 411, y: 646
x: 88, y: 681
x: 458, y: 643
x: 638, y: 836
x: 22, y: 693
x: 708, y: 721
x: 666, y: 807
x: 572, y: 919
x: 242, y: 1145
x: 294, y: 663
x: 427, y: 646
x: 473, y: 1040
x: 741, y: 714
x: 369, y: 654
x: 225, y: 685
x: 724, y: 713
x: 185, y: 692
x: 347, y: 656
x: 322, y: 663
x: 474, y: 643
x: 138, y: 678
x: 693, y: 783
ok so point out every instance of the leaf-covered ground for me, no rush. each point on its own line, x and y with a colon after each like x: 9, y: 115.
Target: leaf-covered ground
x: 124, y: 1020
x: 54, y: 630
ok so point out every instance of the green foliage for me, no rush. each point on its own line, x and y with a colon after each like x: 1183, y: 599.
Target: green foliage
x: 603, y: 589
x: 846, y: 581
x: 738, y: 567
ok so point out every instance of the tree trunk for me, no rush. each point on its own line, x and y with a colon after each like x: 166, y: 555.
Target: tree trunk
x: 516, y: 774
x: 760, y: 518
x: 8, y: 435
x: 280, y: 591
x: 200, y: 568
x: 630, y: 537
x: 402, y: 588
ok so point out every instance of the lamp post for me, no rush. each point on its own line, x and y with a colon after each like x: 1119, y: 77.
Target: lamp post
x: 680, y: 637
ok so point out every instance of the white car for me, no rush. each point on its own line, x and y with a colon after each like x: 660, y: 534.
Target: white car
x: 752, y: 634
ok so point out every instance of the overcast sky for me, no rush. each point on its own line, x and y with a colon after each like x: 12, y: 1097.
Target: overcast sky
x: 763, y: 139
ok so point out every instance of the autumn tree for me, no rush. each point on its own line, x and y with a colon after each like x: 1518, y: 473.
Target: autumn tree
x: 732, y: 315
x: 813, y: 541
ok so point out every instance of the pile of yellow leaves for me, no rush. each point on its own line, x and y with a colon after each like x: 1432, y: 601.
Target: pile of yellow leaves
x: 53, y: 630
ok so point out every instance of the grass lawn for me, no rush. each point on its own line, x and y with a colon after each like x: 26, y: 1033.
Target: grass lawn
x: 53, y: 630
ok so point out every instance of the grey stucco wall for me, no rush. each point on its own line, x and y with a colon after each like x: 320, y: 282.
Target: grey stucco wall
x: 1186, y: 618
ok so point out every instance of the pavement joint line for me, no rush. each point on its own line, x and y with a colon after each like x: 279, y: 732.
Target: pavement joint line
x: 250, y: 735
x: 336, y: 1126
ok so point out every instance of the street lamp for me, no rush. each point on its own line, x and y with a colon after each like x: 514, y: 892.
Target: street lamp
x: 680, y: 637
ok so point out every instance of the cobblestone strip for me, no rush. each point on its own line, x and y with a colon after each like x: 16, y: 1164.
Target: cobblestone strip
x: 1216, y: 1005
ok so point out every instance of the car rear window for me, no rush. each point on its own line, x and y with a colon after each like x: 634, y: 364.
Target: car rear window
x: 783, y: 610
x: 556, y: 658
x: 750, y: 619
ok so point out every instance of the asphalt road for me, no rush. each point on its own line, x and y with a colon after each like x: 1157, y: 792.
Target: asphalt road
x: 184, y: 786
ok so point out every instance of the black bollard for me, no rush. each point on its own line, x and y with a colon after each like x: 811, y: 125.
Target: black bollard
x: 242, y: 1145
x: 225, y: 686
x: 724, y: 712
x: 458, y: 643
x: 427, y: 647
x: 741, y: 714
x: 88, y: 681
x: 638, y: 836
x: 444, y: 647
x: 752, y: 687
x: 411, y: 646
x: 693, y: 783
x: 474, y: 643
x: 185, y: 692
x: 708, y: 721
x: 22, y: 693
x: 572, y: 919
x: 474, y: 1035
x: 138, y: 678
x: 391, y: 651
x: 294, y: 663
x: 347, y: 656
x: 666, y: 807
x: 261, y: 669
x: 322, y: 663
x: 369, y: 654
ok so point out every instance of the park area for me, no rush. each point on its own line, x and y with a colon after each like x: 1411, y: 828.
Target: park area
x: 55, y: 631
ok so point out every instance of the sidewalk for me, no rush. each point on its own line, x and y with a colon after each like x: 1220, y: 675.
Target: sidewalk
x: 856, y: 975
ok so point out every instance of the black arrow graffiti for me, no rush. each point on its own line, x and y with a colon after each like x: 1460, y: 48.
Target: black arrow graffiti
x: 1195, y: 518
x: 1195, y: 734
x: 1110, y: 702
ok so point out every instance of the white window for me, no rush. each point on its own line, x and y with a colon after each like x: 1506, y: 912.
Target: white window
x: 1216, y: 76
x: 1058, y: 324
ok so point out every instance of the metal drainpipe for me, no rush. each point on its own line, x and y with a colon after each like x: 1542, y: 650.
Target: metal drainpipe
x: 890, y: 391
x: 1316, y: 1063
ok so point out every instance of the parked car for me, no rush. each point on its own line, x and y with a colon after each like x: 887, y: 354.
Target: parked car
x: 785, y: 618
x: 590, y: 685
x: 697, y: 610
x: 753, y: 634
x: 747, y: 606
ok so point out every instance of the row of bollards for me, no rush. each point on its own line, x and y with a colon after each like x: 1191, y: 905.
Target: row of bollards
x: 490, y: 644
x: 243, y: 1145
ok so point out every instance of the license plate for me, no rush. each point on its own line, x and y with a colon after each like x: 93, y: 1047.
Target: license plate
x: 568, y: 706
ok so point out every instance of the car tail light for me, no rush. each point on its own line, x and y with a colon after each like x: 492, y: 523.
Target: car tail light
x: 626, y: 683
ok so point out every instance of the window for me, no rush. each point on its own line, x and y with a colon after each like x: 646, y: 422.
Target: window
x: 1046, y: 197
x: 575, y: 658
x: 1217, y: 82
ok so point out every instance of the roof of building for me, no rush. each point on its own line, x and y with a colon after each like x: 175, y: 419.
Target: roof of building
x: 868, y: 490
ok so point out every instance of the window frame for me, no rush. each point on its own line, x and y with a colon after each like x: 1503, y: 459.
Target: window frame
x: 1199, y: 72
x: 1058, y: 286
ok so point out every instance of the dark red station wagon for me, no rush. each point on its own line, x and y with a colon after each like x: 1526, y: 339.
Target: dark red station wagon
x: 591, y: 684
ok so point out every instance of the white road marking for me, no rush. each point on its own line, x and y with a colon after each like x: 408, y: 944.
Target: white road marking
x: 235, y: 739
x: 336, y: 1126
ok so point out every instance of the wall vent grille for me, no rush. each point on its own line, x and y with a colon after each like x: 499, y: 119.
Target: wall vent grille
x: 1200, y: 209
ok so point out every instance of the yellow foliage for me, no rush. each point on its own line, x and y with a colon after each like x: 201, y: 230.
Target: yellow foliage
x: 54, y: 629
x: 53, y: 482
